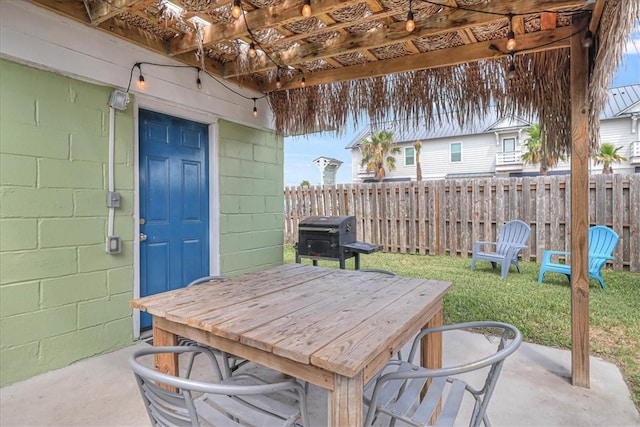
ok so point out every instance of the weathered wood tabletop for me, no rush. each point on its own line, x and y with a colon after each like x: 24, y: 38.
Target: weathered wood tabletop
x: 334, y: 328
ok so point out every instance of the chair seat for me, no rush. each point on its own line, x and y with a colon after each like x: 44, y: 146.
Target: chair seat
x: 399, y: 402
x: 246, y: 410
x: 396, y: 390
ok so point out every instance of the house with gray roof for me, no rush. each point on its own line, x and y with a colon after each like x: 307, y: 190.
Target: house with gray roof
x: 493, y: 145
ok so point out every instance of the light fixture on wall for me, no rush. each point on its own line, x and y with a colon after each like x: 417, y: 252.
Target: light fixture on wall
x: 119, y: 100
x: 255, y: 108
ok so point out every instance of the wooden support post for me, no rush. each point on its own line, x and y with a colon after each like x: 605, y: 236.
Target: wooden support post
x: 166, y: 363
x: 579, y: 211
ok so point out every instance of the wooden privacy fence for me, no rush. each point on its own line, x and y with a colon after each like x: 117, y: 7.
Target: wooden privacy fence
x: 445, y: 217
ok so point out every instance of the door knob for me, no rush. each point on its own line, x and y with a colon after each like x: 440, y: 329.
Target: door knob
x: 143, y: 237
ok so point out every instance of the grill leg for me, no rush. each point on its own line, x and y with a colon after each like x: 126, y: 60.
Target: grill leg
x: 342, y: 262
x: 315, y: 262
x: 357, y: 260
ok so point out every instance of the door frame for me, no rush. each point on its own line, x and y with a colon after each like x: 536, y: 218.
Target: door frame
x: 209, y: 119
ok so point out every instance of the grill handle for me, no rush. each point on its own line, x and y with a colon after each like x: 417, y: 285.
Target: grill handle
x: 318, y: 229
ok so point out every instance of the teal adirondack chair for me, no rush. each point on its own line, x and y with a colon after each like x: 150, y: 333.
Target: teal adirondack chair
x: 512, y: 238
x: 602, y: 242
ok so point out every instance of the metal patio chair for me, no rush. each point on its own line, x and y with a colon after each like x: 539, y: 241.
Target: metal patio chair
x: 396, y: 390
x: 230, y: 362
x: 602, y: 243
x: 240, y: 400
x: 512, y: 238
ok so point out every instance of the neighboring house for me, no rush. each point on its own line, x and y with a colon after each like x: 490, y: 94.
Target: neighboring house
x: 492, y: 146
x: 62, y: 296
x: 328, y: 169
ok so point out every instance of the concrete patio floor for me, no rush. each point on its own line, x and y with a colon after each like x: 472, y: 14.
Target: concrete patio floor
x: 533, y: 390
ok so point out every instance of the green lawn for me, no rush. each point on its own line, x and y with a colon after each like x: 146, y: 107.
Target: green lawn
x: 541, y: 312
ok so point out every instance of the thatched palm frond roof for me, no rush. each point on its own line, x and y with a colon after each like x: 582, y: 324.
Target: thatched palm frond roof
x: 354, y: 58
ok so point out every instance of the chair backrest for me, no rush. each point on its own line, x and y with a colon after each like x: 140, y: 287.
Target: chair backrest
x: 204, y: 279
x: 185, y: 407
x: 602, y: 241
x: 514, y: 232
x: 389, y: 389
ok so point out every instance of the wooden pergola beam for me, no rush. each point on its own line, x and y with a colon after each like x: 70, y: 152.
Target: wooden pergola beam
x: 101, y: 11
x: 552, y: 39
x: 258, y: 19
x: 579, y: 209
x: 452, y: 20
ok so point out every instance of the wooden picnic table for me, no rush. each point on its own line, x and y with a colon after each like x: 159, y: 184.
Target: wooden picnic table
x: 333, y: 328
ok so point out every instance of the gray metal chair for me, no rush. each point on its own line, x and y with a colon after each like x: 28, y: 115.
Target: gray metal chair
x: 230, y: 362
x: 396, y: 390
x: 512, y: 238
x: 240, y: 400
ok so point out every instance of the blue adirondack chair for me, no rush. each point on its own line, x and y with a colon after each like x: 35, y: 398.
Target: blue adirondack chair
x: 512, y: 238
x: 602, y: 242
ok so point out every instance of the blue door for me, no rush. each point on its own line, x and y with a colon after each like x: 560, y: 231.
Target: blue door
x: 174, y: 204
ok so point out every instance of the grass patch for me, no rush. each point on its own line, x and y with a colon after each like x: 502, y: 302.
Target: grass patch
x: 541, y: 312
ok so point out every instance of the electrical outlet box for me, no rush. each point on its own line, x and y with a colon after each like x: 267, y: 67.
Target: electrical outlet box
x: 113, y: 245
x: 113, y: 199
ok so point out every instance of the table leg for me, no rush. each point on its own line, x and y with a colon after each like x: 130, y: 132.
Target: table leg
x: 167, y: 363
x: 345, y: 401
x: 431, y: 352
x: 357, y: 261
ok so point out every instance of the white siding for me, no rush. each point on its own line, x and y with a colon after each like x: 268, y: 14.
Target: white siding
x: 479, y: 153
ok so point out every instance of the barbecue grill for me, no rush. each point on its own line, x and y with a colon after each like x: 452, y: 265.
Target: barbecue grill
x: 331, y: 238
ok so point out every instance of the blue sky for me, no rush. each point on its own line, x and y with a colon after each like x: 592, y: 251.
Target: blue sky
x: 301, y: 151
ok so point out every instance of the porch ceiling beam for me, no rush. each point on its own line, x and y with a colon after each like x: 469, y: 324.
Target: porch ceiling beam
x: 452, y: 20
x: 287, y: 12
x: 527, y: 43
x: 594, y: 23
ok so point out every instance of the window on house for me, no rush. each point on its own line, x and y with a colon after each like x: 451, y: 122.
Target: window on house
x: 455, y: 151
x: 409, y: 156
x: 508, y: 145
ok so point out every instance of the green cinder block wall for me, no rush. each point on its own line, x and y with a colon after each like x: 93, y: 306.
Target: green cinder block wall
x: 251, y: 173
x: 62, y: 297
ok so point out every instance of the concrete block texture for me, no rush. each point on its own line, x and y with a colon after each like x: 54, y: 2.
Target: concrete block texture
x: 62, y: 297
x: 17, y: 170
x: 18, y: 234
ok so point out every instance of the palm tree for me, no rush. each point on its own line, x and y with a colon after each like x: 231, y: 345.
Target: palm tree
x: 608, y: 155
x: 376, y: 150
x: 418, y: 146
x: 534, y: 146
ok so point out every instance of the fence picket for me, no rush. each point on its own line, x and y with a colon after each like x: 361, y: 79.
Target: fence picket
x: 446, y: 216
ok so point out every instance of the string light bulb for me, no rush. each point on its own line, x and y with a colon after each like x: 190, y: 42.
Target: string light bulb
x: 198, y: 81
x: 142, y: 85
x: 252, y: 50
x: 306, y: 9
x: 588, y: 39
x: 278, y: 82
x: 236, y: 10
x: 511, y: 37
x: 303, y: 82
x: 255, y: 108
x: 411, y: 24
x: 511, y: 73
